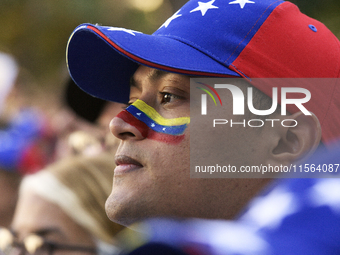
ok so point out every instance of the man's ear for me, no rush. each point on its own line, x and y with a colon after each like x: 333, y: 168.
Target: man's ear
x: 297, y: 142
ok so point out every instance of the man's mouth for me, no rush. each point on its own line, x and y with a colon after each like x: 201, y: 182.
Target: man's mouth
x: 126, y: 164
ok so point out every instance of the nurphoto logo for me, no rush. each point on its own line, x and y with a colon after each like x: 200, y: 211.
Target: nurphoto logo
x: 238, y: 99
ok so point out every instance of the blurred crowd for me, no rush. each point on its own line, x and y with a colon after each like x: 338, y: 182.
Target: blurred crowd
x: 56, y: 170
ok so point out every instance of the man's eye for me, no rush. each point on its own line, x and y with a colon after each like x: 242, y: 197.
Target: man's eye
x: 167, y: 97
x: 126, y: 105
x: 132, y: 100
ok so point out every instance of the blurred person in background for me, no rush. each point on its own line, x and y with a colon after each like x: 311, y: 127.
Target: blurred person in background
x: 68, y: 211
x: 23, y: 150
x: 61, y: 209
x: 81, y: 123
x: 9, y: 181
x: 32, y: 135
x: 25, y: 141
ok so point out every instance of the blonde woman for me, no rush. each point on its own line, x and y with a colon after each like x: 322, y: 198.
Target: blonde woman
x: 61, y: 210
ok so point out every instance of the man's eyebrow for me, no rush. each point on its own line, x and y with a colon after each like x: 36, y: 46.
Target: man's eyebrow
x: 152, y: 75
x: 157, y: 74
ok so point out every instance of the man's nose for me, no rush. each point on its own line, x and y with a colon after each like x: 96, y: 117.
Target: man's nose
x: 124, y: 128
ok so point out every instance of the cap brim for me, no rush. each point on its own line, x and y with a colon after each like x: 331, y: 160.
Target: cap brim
x: 101, y: 60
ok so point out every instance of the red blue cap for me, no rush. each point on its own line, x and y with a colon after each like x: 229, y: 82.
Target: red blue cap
x: 217, y: 38
x: 25, y: 145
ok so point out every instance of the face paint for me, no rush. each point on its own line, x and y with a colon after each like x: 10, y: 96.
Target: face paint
x: 152, y: 125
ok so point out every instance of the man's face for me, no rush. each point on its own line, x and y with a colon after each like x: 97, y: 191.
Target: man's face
x: 152, y: 177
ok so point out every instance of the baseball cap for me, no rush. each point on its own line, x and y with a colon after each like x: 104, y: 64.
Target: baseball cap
x: 217, y: 38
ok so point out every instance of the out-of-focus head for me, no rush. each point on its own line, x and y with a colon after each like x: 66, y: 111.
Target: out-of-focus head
x: 87, y: 107
x: 82, y: 123
x: 25, y: 147
x: 25, y: 144
x: 82, y: 104
x: 68, y: 198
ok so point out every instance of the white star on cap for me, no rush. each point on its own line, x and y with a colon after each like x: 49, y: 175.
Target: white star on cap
x: 327, y: 192
x: 153, y: 125
x: 124, y: 30
x: 242, y: 3
x: 175, y: 16
x: 270, y: 210
x: 204, y: 7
